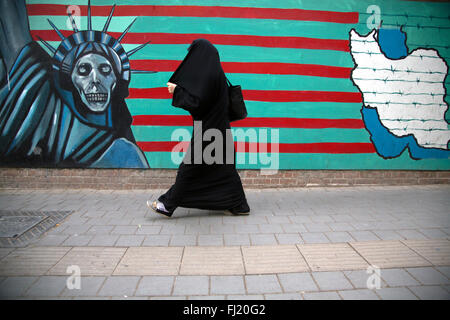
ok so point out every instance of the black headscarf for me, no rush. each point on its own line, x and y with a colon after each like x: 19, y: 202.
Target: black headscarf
x: 200, y: 73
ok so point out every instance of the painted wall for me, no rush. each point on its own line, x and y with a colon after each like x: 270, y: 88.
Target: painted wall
x: 328, y: 84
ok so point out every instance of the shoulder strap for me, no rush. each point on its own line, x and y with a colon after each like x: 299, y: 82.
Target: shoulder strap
x: 228, y: 81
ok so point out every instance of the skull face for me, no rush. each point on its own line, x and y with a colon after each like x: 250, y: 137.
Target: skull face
x: 95, y: 80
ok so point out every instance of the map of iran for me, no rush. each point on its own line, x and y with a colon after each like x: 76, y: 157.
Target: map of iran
x: 403, y: 96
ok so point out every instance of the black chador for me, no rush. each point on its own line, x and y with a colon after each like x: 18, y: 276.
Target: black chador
x: 202, y: 90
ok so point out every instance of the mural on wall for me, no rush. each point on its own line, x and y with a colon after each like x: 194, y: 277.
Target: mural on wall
x: 67, y: 110
x: 353, y: 84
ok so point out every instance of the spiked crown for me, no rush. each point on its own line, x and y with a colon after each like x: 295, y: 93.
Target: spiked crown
x: 80, y: 42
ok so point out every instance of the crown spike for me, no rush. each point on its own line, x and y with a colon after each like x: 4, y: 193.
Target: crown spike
x: 133, y: 51
x: 126, y: 31
x: 74, y: 24
x: 89, y: 22
x: 57, y: 30
x: 49, y: 47
x: 105, y: 28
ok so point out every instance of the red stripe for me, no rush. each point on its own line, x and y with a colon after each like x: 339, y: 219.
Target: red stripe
x: 263, y: 95
x: 253, y: 122
x: 253, y: 67
x: 202, y: 11
x: 324, y: 147
x: 218, y: 39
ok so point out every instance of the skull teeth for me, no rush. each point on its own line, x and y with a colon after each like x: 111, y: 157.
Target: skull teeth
x: 97, y: 97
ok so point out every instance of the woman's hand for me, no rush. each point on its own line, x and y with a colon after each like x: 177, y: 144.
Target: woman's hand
x: 171, y: 86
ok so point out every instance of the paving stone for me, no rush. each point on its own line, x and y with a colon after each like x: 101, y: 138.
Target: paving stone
x: 388, y: 235
x: 396, y: 294
x: 210, y: 240
x: 314, y: 237
x: 202, y: 229
x: 321, y: 296
x: 52, y: 240
x: 289, y: 238
x: 157, y: 240
x: 364, y: 235
x: 331, y: 281
x: 92, y: 261
x: 260, y: 284
x: 398, y: 278
x: 295, y: 282
x: 434, y: 233
x: 47, y: 286
x: 103, y: 240
x: 183, y: 240
x: 13, y: 287
x: 294, y: 228
x: 89, y: 286
x: 149, y: 261
x: 212, y: 261
x: 339, y: 236
x: 31, y: 261
x: 77, y: 240
x: 411, y: 234
x: 5, y: 251
x: 359, y: 294
x: 277, y: 220
x: 119, y: 286
x: 222, y: 229
x: 273, y: 259
x: 445, y: 271
x: 435, y: 251
x: 263, y: 239
x: 145, y: 230
x: 270, y: 228
x: 206, y: 298
x: 317, y: 227
x: 130, y: 240
x: 246, y: 297
x: 155, y: 286
x: 359, y: 278
x: 191, y: 285
x: 341, y: 226
x: 428, y: 276
x: 236, y: 239
x: 388, y: 254
x: 332, y: 257
x: 76, y: 229
x: 246, y: 228
x: 227, y: 285
x: 284, y: 296
x: 169, y: 298
x: 124, y: 230
x: 431, y: 292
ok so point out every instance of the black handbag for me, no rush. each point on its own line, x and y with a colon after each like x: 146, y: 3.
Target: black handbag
x: 237, y: 109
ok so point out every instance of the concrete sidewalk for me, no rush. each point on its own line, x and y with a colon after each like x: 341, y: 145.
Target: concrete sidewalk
x: 303, y: 243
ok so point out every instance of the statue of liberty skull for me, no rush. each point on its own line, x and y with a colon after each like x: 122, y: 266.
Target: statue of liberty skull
x: 93, y: 65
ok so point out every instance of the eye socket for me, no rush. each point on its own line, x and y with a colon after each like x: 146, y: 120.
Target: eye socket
x: 105, y: 69
x: 84, y: 69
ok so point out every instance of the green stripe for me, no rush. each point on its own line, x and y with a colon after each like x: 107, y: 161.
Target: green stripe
x: 258, y: 82
x: 184, y: 25
x: 312, y: 161
x: 245, y: 54
x: 315, y: 110
x: 286, y: 135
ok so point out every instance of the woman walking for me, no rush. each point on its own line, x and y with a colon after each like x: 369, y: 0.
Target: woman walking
x: 199, y: 86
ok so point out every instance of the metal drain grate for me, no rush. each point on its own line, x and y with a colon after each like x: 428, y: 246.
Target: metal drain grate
x: 19, y: 228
